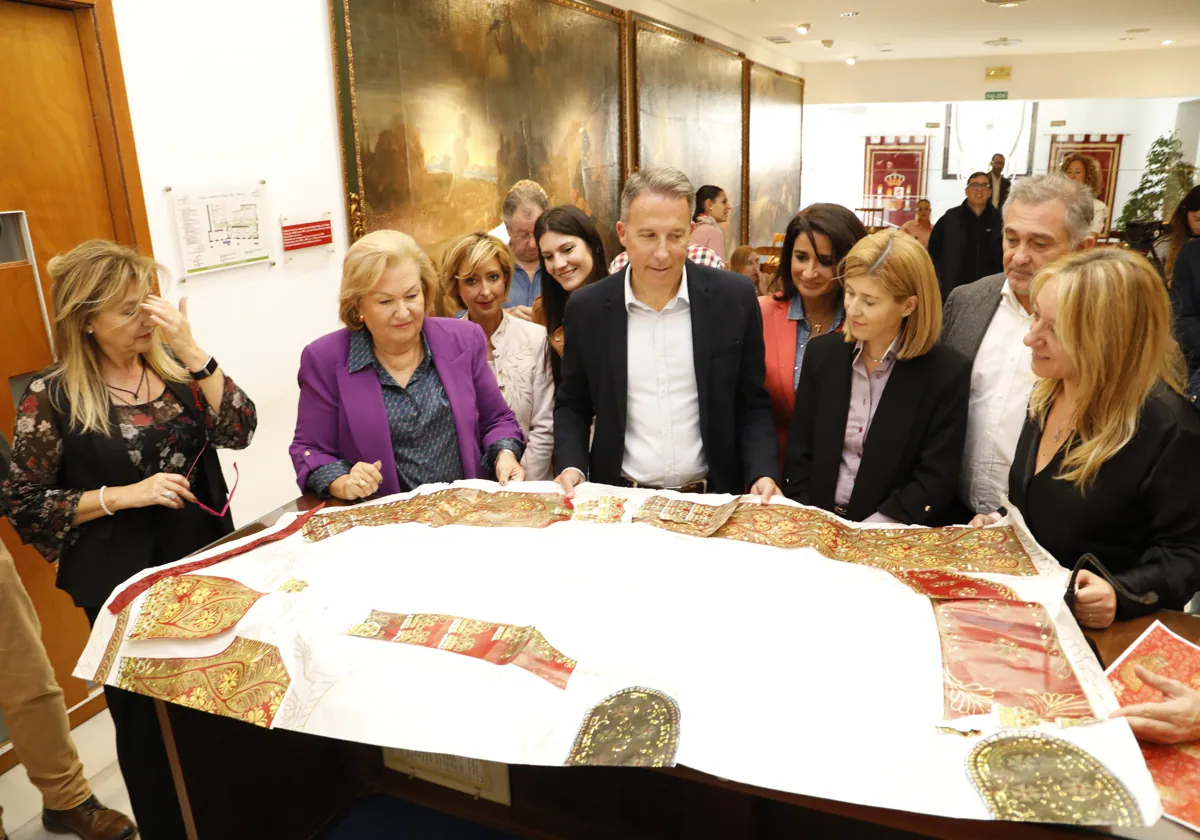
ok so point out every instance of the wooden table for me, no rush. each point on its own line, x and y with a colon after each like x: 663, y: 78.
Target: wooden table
x: 237, y: 781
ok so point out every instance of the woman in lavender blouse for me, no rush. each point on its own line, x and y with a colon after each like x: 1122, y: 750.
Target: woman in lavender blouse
x: 398, y: 399
x: 881, y: 411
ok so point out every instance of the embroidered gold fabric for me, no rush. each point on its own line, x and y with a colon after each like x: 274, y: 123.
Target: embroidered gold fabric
x: 114, y: 644
x: 436, y: 509
x: 193, y: 607
x: 246, y: 681
x: 1034, y: 777
x: 507, y: 509
x: 605, y: 509
x: 500, y: 644
x: 996, y: 550
x: 292, y: 585
x: 636, y: 727
x: 683, y: 517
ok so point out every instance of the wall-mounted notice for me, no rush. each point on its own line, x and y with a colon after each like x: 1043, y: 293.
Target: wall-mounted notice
x: 297, y: 235
x: 221, y: 228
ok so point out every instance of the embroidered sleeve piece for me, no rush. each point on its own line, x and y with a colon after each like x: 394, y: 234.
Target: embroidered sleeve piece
x: 42, y: 513
x: 233, y: 425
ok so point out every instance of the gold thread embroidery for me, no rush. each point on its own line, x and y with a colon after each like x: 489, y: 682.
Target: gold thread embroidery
x: 605, y: 509
x: 193, y: 607
x: 246, y: 681
x: 636, y: 727
x: 114, y: 644
x: 1034, y: 777
x: 293, y: 585
x: 684, y: 517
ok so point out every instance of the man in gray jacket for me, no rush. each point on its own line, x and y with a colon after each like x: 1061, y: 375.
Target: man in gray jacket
x: 1045, y: 218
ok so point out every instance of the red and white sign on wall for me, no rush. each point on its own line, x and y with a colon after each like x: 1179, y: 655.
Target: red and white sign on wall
x: 306, y: 234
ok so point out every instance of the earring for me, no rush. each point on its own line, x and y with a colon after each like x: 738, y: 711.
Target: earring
x: 90, y: 330
x: 360, y: 318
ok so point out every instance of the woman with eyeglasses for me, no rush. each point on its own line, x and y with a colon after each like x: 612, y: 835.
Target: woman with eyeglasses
x: 115, y: 465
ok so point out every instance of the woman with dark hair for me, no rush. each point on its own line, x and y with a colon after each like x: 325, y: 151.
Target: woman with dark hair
x: 1183, y: 227
x: 712, y: 211
x: 572, y: 255
x: 809, y: 302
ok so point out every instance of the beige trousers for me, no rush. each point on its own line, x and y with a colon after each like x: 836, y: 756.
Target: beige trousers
x: 32, y: 702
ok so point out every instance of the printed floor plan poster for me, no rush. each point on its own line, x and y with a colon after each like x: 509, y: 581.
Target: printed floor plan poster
x: 220, y: 227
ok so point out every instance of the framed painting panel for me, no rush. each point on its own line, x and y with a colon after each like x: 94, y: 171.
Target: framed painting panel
x: 895, y: 177
x: 689, y: 112
x: 1105, y: 149
x: 776, y: 121
x: 444, y: 104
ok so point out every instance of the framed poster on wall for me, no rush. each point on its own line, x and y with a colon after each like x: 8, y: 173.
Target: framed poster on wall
x: 894, y: 178
x: 689, y: 112
x: 776, y: 122
x: 444, y: 104
x: 1105, y: 149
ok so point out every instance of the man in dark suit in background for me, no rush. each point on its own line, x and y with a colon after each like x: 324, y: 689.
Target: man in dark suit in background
x: 1000, y: 184
x: 667, y: 358
x: 965, y: 243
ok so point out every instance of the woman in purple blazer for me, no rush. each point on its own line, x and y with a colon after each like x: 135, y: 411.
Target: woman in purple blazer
x: 398, y: 399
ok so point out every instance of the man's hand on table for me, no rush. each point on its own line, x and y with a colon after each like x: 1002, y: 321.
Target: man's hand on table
x: 1173, y: 720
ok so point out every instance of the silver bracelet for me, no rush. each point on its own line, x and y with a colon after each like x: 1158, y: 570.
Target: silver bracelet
x: 103, y: 506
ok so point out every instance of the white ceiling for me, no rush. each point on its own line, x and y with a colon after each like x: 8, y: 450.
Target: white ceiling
x: 953, y: 28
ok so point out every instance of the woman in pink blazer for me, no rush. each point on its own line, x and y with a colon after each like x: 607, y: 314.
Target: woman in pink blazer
x: 810, y: 301
x: 398, y: 399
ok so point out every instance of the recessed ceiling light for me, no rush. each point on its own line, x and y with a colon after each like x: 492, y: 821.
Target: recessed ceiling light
x: 1002, y: 42
x: 848, y: 14
x: 803, y: 28
x: 1168, y: 42
x: 777, y: 39
x: 851, y: 60
x: 1004, y: 4
x: 1137, y: 31
x: 1008, y: 5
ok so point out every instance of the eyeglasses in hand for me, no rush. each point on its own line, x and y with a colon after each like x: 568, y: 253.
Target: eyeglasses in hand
x: 236, y: 477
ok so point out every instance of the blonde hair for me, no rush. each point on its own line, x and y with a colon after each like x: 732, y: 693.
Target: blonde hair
x: 902, y: 266
x: 369, y: 259
x: 1115, y: 325
x: 464, y: 257
x: 740, y: 258
x: 88, y: 279
x: 1091, y: 170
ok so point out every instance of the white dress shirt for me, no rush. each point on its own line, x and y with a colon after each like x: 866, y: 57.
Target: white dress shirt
x: 662, y: 416
x: 522, y: 369
x: 500, y: 231
x: 1001, y: 381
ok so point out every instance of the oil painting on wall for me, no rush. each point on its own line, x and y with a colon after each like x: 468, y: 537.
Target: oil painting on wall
x: 776, y: 117
x: 445, y: 103
x: 689, y: 112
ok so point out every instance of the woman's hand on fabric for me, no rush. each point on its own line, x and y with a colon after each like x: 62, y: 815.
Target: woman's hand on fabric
x: 985, y: 519
x: 166, y: 489
x: 508, y: 468
x: 362, y: 481
x: 569, y: 479
x: 1095, y: 600
x: 176, y: 330
x: 765, y: 488
x: 1173, y: 720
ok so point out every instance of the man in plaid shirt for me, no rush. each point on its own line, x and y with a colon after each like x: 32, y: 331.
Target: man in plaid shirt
x: 696, y: 253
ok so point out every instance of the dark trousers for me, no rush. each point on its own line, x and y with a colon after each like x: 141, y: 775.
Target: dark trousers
x: 142, y: 756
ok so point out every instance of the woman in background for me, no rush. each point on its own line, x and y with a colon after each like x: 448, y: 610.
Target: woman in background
x: 745, y: 260
x: 809, y: 301
x: 477, y: 271
x: 398, y: 399
x: 1086, y: 170
x: 572, y: 255
x: 1106, y: 464
x: 1182, y: 228
x: 881, y: 412
x: 115, y: 465
x: 712, y: 211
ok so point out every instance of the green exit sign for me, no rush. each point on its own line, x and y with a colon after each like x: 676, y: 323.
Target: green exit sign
x: 996, y: 94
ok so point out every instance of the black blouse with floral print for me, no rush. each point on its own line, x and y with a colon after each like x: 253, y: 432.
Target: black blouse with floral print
x: 160, y: 436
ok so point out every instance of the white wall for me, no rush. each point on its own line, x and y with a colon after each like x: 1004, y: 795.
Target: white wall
x: 1187, y: 125
x: 1166, y: 71
x: 233, y: 91
x: 834, y: 136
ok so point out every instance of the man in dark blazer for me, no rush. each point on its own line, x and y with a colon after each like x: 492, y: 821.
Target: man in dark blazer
x: 1045, y: 218
x: 965, y: 243
x: 1000, y: 184
x: 666, y: 357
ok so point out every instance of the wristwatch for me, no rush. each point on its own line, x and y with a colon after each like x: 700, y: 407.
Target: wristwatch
x: 208, y: 370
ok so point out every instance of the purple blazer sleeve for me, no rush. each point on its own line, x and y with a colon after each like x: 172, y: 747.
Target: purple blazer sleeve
x: 496, y: 419
x: 315, y: 442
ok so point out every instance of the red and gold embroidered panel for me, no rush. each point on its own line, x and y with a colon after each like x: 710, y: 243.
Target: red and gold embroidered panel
x: 1005, y: 653
x: 939, y: 585
x: 506, y: 509
x: 684, y: 517
x: 114, y: 644
x: 436, y: 509
x: 603, y: 509
x: 193, y: 607
x: 246, y: 681
x: 500, y: 644
x: 996, y: 550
